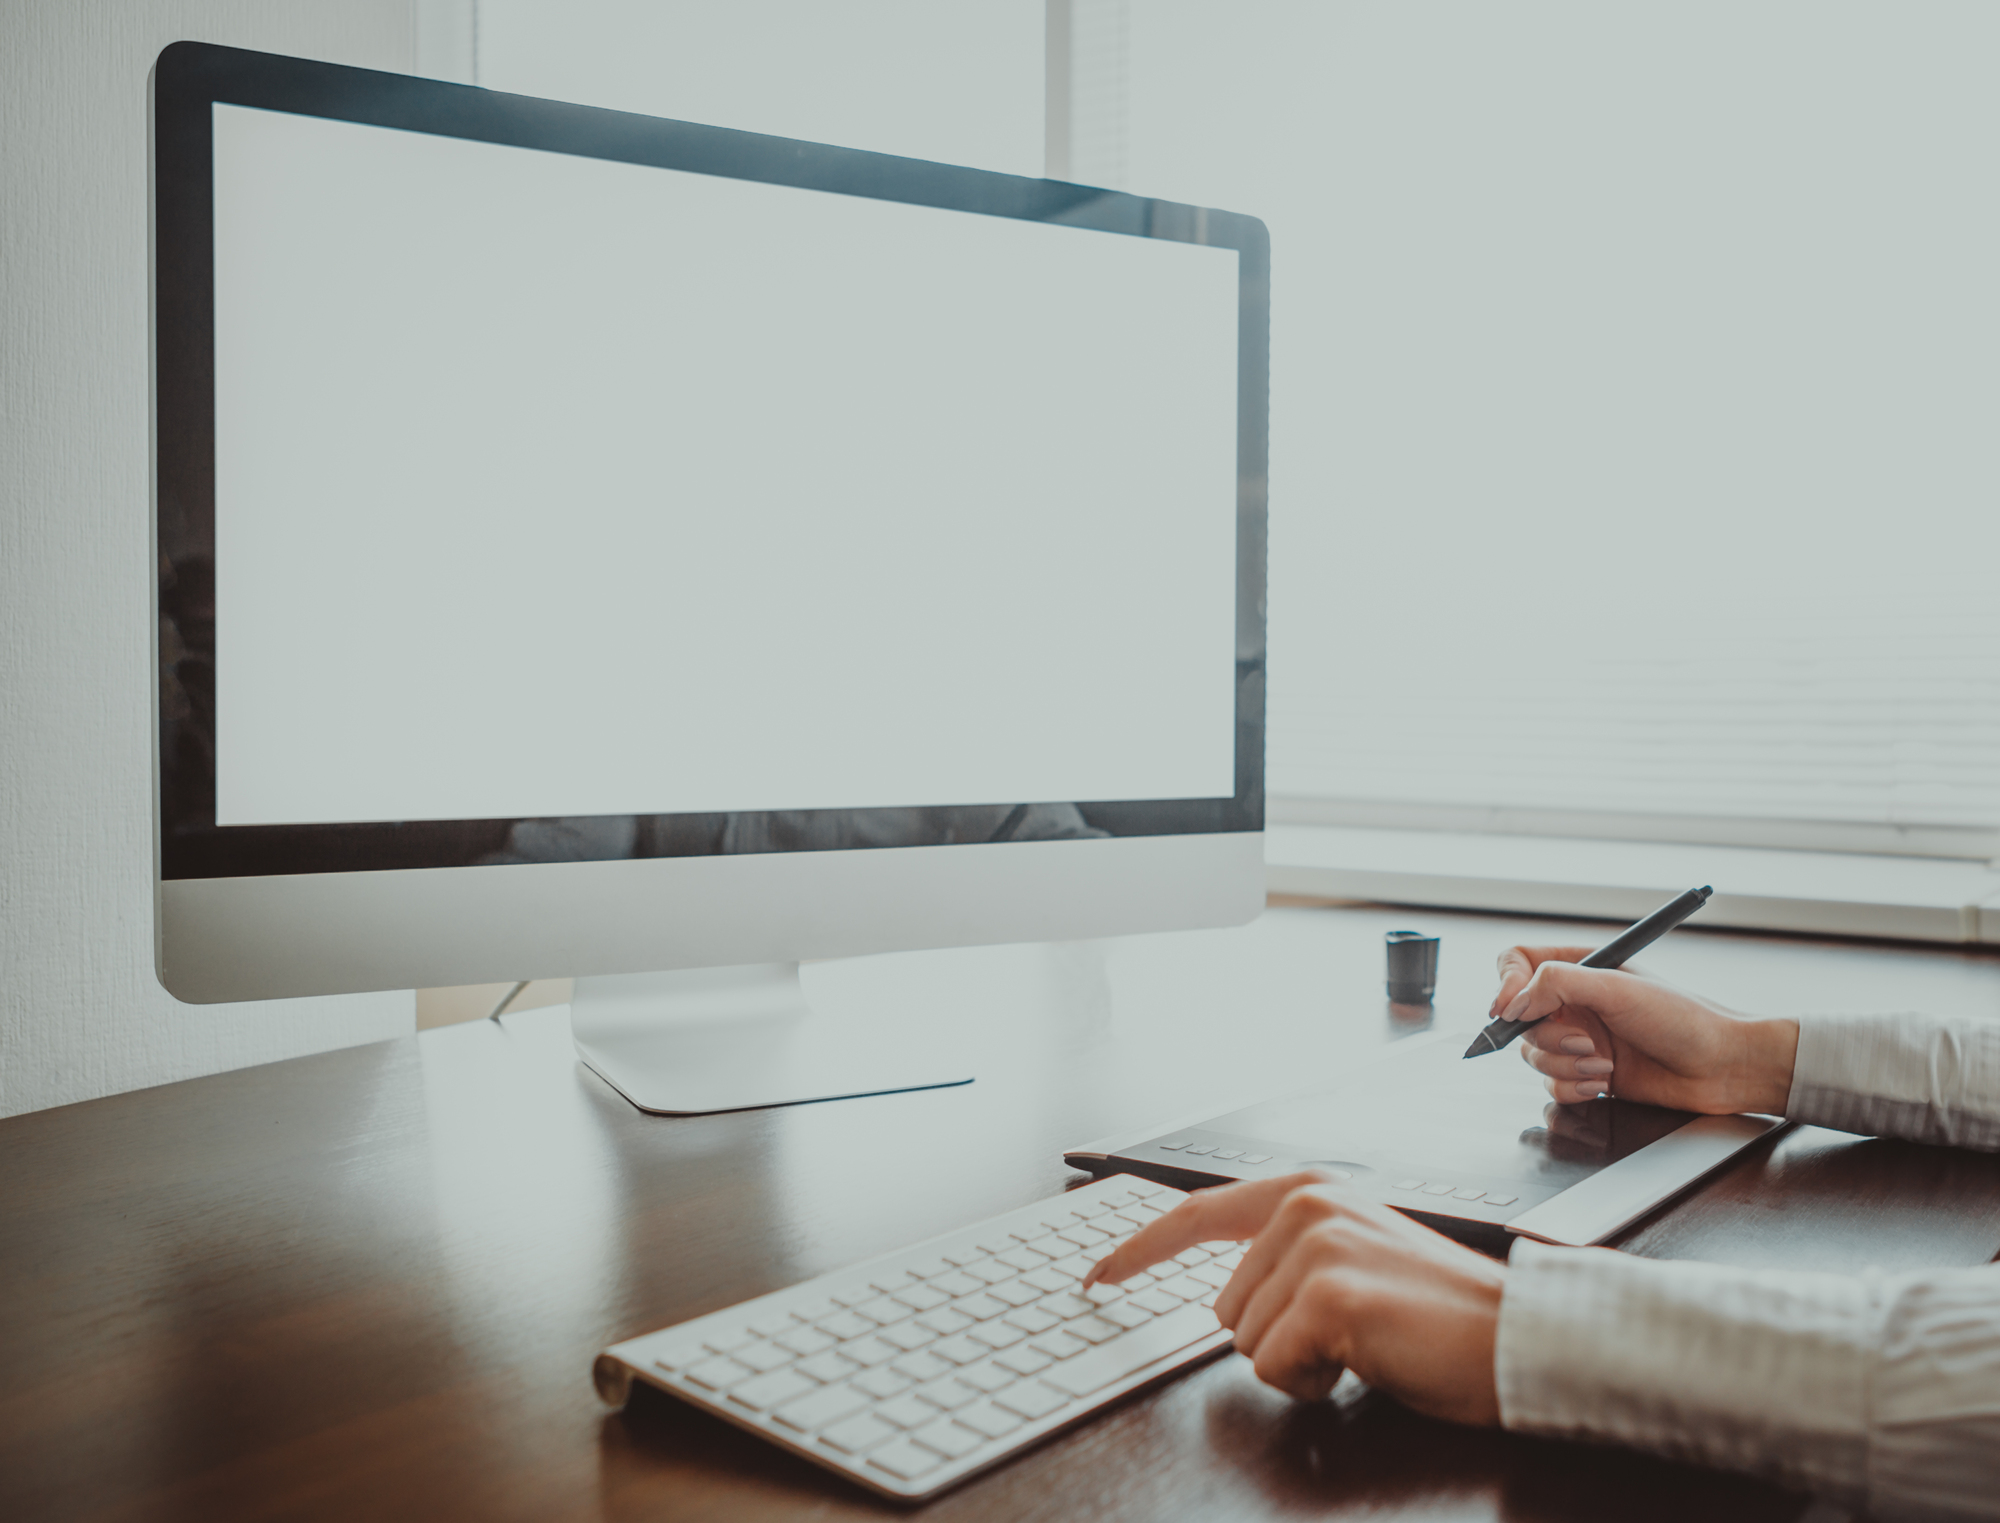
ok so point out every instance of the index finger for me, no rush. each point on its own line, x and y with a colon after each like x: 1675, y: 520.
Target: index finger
x: 1518, y: 964
x: 1229, y: 1212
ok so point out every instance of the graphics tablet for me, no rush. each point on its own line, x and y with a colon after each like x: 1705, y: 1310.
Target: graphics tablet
x: 1472, y: 1147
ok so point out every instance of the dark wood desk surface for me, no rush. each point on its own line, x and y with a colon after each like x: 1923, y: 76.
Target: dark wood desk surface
x: 370, y: 1284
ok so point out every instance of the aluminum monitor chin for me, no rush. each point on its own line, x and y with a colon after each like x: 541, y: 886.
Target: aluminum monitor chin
x: 595, y: 544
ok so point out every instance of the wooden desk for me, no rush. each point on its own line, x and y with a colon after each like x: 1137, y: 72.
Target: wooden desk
x: 370, y: 1284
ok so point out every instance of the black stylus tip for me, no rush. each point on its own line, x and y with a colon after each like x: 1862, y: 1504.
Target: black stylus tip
x: 1480, y: 1044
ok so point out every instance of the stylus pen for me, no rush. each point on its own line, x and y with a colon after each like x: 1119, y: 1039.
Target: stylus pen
x: 1613, y: 954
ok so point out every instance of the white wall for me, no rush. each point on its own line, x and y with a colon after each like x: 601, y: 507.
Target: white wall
x: 81, y: 1013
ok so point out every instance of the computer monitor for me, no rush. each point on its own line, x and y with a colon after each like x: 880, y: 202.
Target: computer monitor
x: 598, y: 545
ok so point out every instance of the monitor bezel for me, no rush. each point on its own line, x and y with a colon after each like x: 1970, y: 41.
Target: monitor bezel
x: 190, y: 78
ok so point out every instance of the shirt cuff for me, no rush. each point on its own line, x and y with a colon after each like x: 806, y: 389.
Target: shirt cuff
x: 1752, y: 1370
x: 1922, y: 1077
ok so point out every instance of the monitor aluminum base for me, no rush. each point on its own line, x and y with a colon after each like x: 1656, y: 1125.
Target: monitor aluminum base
x: 703, y: 1040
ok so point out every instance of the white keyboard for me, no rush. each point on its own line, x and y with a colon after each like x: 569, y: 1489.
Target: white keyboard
x: 914, y: 1370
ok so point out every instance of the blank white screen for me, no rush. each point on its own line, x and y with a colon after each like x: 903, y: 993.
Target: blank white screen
x: 767, y: 498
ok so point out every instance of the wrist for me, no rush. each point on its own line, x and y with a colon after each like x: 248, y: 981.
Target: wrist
x: 1768, y: 1051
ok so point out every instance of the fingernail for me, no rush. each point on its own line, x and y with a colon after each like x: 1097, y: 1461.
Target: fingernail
x: 1597, y: 1067
x: 1593, y: 1089
x: 1515, y: 1006
x: 1578, y: 1045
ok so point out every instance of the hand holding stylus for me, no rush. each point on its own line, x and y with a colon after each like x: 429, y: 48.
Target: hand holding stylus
x: 1603, y: 1030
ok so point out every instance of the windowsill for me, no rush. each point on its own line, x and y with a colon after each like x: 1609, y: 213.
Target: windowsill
x: 1828, y: 893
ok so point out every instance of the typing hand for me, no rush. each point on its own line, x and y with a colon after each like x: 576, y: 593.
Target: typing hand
x: 1619, y: 1031
x: 1333, y: 1282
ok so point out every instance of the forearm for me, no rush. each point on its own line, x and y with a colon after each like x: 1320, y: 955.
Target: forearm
x: 1884, y: 1393
x: 1925, y: 1078
x: 1683, y: 1359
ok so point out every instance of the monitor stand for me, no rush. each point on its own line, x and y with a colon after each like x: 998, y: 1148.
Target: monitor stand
x: 703, y: 1040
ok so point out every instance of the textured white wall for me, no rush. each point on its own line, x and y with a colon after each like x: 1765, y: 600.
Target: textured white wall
x: 81, y: 1013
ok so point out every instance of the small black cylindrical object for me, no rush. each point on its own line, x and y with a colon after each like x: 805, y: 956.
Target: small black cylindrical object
x: 1413, y: 967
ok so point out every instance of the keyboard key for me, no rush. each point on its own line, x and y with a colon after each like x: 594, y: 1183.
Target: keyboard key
x: 960, y: 1350
x: 1225, y: 1154
x: 870, y: 1351
x: 1408, y: 1184
x: 882, y: 1311
x: 1439, y: 1189
x: 1027, y: 1360
x: 812, y: 1308
x: 924, y: 1269
x: 1014, y: 1293
x: 764, y: 1357
x: 768, y: 1391
x: 905, y: 1460
x: 979, y: 1307
x: 1032, y: 1319
x: 719, y: 1374
x: 992, y: 1271
x: 1256, y: 1157
x: 1125, y: 1314
x: 945, y: 1321
x: 1175, y: 1146
x: 1200, y: 1150
x: 996, y: 1242
x: 1024, y: 1259
x: 958, y: 1283
x: 1193, y: 1256
x: 892, y: 1280
x: 948, y: 1395
x: 988, y: 1377
x: 1468, y: 1193
x: 1187, y: 1287
x: 1031, y: 1399
x: 921, y: 1367
x: 882, y: 1382
x: 858, y: 1434
x: 679, y: 1353
x: 1076, y: 1266
x: 725, y: 1340
x: 1101, y: 1295
x: 922, y: 1297
x: 827, y: 1368
x: 997, y: 1334
x: 906, y: 1412
x: 907, y: 1336
x: 844, y: 1325
x: 964, y: 1255
x: 1133, y: 1352
x: 1066, y: 1306
x: 829, y: 1404
x: 805, y: 1340
x: 852, y: 1295
x: 1049, y: 1278
x: 770, y: 1327
x: 1155, y: 1300
x: 948, y: 1439
x: 1089, y: 1208
x: 1093, y: 1329
x: 984, y: 1417
x: 1059, y: 1345
x: 1501, y: 1200
x: 1083, y: 1236
x: 1211, y: 1274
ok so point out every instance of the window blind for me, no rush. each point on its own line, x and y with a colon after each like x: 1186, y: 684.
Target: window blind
x: 1634, y: 383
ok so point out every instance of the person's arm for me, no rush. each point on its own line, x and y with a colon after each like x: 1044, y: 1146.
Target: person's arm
x: 1882, y: 1392
x: 1925, y: 1078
